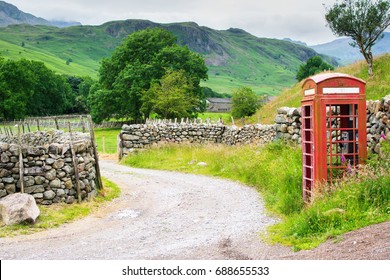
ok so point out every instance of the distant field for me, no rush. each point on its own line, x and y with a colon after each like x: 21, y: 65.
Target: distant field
x: 106, y: 140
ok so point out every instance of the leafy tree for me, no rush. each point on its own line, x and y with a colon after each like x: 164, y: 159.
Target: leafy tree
x: 80, y: 89
x: 244, y: 102
x: 171, y: 97
x: 29, y: 88
x: 15, y: 88
x: 362, y: 20
x: 312, y: 66
x: 82, y: 97
x: 51, y: 94
x: 143, y: 58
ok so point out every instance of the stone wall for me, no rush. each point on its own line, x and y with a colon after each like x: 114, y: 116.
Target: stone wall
x: 137, y: 136
x: 287, y: 126
x: 49, y: 173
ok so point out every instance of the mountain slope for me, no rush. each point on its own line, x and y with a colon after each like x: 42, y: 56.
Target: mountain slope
x: 340, y: 48
x: 234, y: 57
x: 9, y: 14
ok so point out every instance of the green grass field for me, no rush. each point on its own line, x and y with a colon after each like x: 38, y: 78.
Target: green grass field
x: 106, y: 140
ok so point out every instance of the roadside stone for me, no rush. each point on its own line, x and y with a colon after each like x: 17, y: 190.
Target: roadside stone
x: 18, y: 208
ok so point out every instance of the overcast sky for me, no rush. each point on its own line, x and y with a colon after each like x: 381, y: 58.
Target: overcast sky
x: 299, y: 19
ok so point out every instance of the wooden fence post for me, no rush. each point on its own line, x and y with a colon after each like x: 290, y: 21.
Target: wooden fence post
x: 56, y: 122
x: 119, y: 146
x: 82, y: 124
x: 39, y: 129
x: 92, y: 134
x: 75, y: 165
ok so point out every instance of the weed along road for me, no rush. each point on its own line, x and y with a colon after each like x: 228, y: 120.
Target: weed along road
x: 159, y: 215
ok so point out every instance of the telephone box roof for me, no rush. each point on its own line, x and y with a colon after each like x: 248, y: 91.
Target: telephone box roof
x: 327, y: 76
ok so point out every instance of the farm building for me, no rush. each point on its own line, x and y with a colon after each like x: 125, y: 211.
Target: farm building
x: 219, y: 104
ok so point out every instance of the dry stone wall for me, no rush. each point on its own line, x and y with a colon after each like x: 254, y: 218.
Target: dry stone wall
x: 137, y: 136
x: 378, y: 123
x: 49, y: 174
x: 287, y: 126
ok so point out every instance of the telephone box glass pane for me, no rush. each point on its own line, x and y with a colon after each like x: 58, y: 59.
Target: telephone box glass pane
x: 342, y: 138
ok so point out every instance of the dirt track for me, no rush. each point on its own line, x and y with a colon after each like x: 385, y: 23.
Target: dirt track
x: 168, y: 215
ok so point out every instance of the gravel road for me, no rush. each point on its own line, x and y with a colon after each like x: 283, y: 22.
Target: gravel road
x: 160, y: 215
x: 169, y: 215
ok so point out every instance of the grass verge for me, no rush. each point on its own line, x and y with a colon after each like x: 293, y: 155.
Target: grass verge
x: 55, y: 215
x: 275, y: 171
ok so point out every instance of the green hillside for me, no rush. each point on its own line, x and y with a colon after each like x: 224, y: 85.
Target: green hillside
x: 376, y: 88
x: 234, y: 57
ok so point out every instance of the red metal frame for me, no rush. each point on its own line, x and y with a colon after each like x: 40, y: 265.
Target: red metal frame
x: 334, y: 138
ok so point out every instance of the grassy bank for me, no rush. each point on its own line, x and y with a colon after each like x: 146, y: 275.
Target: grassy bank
x: 376, y: 88
x: 55, y: 215
x: 275, y: 171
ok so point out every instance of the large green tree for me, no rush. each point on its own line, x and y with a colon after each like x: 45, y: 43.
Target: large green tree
x: 245, y: 102
x: 143, y: 58
x: 29, y: 88
x: 312, y: 66
x: 171, y: 97
x: 362, y: 20
x: 80, y: 90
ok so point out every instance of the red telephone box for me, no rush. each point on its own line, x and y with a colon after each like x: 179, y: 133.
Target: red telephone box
x: 334, y: 138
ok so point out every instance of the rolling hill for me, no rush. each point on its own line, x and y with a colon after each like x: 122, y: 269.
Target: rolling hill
x: 234, y: 57
x: 341, y: 49
x: 376, y: 88
x: 10, y: 14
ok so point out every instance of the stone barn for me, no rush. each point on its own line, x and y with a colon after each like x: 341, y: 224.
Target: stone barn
x: 219, y: 105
